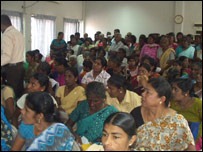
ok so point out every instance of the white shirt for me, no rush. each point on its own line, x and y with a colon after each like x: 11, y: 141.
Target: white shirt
x: 124, y: 62
x: 116, y: 46
x: 75, y: 48
x: 160, y: 52
x: 102, y: 77
x: 12, y: 46
x: 199, y: 54
x: 80, y: 60
x: 53, y: 83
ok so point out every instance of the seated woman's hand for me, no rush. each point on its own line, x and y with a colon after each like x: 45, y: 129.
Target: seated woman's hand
x: 78, y: 139
x: 142, y: 79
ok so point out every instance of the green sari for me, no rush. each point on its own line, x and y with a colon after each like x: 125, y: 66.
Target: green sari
x: 193, y: 115
x: 90, y: 125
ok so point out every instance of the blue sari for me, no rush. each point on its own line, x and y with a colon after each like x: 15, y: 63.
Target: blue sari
x: 90, y: 125
x: 57, y: 137
x: 6, y: 132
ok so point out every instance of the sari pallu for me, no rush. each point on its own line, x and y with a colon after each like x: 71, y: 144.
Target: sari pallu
x: 57, y: 137
x: 91, y: 126
x: 6, y: 132
x: 165, y: 57
x: 168, y: 133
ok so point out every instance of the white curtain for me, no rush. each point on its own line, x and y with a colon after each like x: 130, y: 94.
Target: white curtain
x: 70, y: 27
x: 42, y: 33
x: 16, y: 19
x: 16, y: 22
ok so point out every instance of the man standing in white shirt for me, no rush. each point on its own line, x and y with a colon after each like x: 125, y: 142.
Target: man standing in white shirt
x: 12, y: 55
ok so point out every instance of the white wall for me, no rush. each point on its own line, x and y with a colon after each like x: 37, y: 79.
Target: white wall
x: 65, y: 9
x: 141, y: 17
x: 138, y: 17
x: 192, y: 14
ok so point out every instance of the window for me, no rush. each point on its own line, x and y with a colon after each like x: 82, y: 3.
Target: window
x: 16, y: 19
x: 70, y: 27
x: 42, y: 33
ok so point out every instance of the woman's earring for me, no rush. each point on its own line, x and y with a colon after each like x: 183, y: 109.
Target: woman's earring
x: 186, y: 94
x: 160, y: 102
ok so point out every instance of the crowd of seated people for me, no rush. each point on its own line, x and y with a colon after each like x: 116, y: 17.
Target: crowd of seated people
x: 110, y: 93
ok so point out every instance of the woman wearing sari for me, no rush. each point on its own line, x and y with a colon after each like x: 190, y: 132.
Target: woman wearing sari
x: 189, y: 105
x: 6, y: 132
x: 90, y: 114
x: 167, y: 129
x: 7, y: 97
x: 165, y: 54
x: 117, y: 136
x: 196, y: 75
x: 70, y: 94
x: 48, y: 134
x: 150, y: 48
